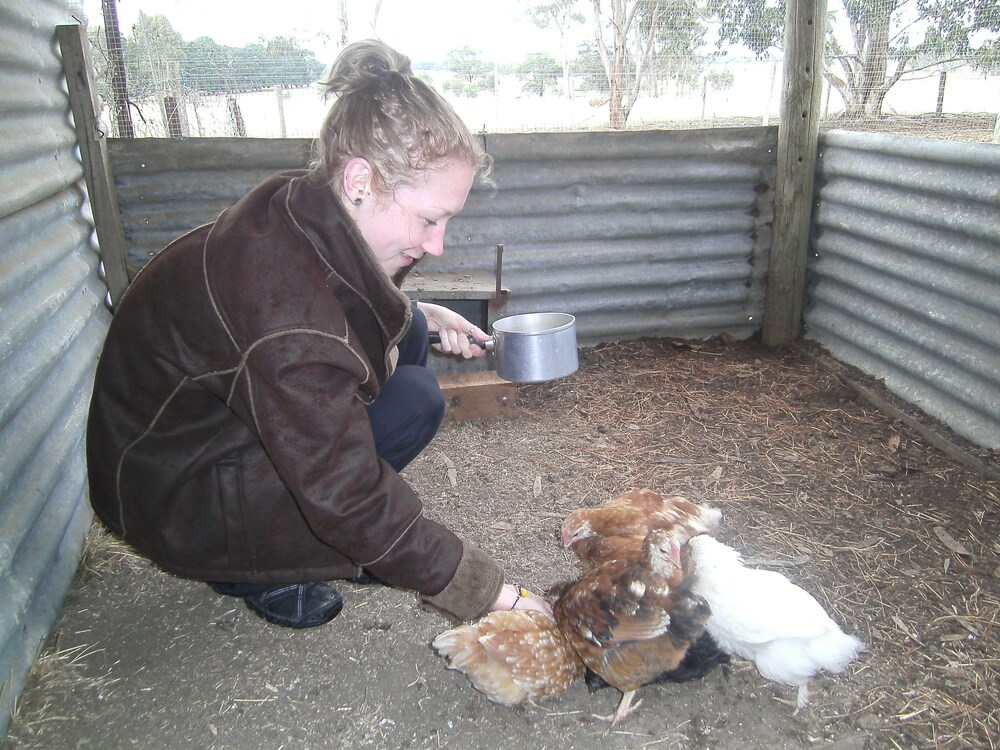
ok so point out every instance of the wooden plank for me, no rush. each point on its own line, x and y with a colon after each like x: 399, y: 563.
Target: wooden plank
x: 77, y: 67
x: 474, y: 396
x: 441, y: 286
x: 798, y: 138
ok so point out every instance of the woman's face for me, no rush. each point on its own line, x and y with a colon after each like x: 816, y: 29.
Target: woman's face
x: 405, y: 225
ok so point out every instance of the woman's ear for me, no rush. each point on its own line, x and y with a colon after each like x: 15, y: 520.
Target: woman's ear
x: 357, y: 179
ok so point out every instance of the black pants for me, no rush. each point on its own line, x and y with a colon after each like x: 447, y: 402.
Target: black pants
x: 409, y: 408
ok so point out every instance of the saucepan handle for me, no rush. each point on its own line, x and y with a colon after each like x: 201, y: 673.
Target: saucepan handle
x: 435, y: 338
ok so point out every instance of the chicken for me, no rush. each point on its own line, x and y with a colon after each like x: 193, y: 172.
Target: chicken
x: 512, y: 655
x: 702, y: 657
x: 615, y: 530
x: 762, y: 616
x: 633, y: 620
x: 597, y: 550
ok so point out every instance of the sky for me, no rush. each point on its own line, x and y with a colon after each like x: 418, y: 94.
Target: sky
x: 424, y: 30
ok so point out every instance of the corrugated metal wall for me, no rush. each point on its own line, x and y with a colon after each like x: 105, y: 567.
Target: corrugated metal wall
x: 649, y: 233
x: 904, y: 281
x: 54, y: 322
x: 646, y: 233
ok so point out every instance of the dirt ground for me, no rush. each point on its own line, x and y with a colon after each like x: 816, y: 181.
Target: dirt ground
x: 896, y: 538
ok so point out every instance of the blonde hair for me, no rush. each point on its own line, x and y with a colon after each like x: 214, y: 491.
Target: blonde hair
x: 386, y: 115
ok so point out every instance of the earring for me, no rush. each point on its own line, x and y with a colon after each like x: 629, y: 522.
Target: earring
x: 358, y: 201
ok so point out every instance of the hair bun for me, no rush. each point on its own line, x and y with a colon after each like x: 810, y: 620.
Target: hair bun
x: 361, y: 64
x: 390, y: 117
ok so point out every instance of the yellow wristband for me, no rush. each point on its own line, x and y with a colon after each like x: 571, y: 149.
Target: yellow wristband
x: 521, y: 592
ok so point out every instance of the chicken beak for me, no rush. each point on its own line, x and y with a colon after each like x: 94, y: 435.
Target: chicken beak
x: 675, y: 552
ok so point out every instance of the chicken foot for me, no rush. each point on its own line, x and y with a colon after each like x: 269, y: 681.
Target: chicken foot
x: 625, y: 707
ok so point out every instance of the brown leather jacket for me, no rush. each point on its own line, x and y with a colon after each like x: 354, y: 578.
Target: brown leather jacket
x: 228, y: 438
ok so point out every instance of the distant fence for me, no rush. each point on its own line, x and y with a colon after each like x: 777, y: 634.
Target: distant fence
x: 753, y: 99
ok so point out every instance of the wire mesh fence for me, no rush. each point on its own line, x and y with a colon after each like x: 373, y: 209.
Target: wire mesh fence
x: 906, y: 66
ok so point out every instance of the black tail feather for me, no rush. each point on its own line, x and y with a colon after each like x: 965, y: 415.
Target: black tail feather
x: 701, y: 658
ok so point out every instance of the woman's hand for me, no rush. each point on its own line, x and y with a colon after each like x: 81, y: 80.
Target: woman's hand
x: 518, y: 597
x: 455, y: 331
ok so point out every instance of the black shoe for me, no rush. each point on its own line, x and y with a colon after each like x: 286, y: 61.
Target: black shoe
x: 240, y: 589
x: 297, y: 605
x: 365, y: 579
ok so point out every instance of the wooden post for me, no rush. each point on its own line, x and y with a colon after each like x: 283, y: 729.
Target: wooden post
x: 116, y: 64
x: 173, y: 102
x: 279, y: 94
x: 94, y: 155
x: 172, y: 113
x: 798, y: 137
x: 236, y: 117
x: 942, y: 79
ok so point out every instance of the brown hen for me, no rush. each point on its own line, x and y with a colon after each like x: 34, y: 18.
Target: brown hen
x: 615, y: 530
x: 633, y: 621
x: 512, y: 655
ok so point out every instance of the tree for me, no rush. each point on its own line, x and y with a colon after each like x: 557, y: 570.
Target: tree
x: 756, y: 24
x: 720, y: 80
x: 207, y: 68
x: 987, y: 58
x: 561, y: 15
x: 885, y: 40
x: 160, y: 63
x: 677, y: 38
x: 149, y: 51
x: 471, y: 75
x: 624, y: 45
x: 538, y: 73
x: 289, y: 64
x: 587, y: 66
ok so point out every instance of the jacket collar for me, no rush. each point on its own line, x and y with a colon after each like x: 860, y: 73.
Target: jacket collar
x: 315, y: 210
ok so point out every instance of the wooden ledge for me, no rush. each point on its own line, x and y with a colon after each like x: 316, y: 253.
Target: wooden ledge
x: 475, y: 396
x: 441, y: 286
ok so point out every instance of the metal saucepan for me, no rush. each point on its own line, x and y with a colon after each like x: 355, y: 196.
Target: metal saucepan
x: 533, y: 347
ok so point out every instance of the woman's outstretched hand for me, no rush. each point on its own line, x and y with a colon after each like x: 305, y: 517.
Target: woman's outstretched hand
x: 518, y: 597
x: 458, y: 335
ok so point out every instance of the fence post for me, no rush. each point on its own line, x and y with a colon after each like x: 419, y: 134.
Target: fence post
x: 235, y: 116
x: 798, y: 138
x: 93, y: 144
x: 116, y: 65
x: 279, y: 93
x: 173, y: 111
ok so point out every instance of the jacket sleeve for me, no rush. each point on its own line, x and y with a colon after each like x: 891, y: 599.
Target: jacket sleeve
x: 301, y: 391
x: 474, y: 587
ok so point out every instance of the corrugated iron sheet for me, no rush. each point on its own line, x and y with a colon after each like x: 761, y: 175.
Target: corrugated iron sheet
x: 904, y: 279
x: 646, y: 233
x: 54, y: 324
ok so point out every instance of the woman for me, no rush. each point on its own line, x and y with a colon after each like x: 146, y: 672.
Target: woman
x: 263, y: 380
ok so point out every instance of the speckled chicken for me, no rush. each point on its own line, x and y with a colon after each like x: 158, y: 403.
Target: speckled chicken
x: 512, y: 655
x: 633, y: 620
x: 616, y: 529
x: 762, y: 616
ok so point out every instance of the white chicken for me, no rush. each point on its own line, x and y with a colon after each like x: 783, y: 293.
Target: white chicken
x: 762, y: 616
